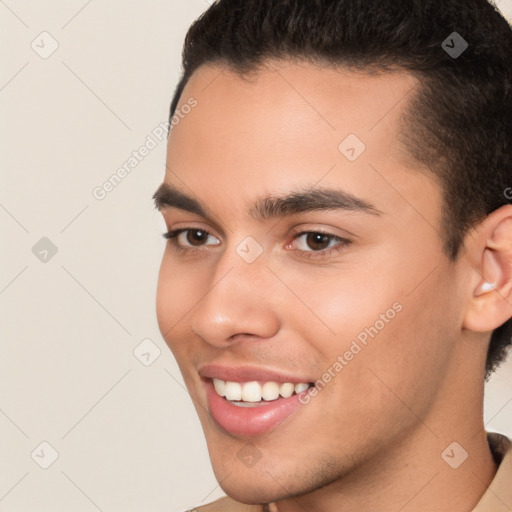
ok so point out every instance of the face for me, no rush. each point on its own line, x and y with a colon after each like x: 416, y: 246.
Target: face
x: 354, y: 295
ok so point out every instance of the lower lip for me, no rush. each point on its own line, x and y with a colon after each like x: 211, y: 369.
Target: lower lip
x: 249, y: 421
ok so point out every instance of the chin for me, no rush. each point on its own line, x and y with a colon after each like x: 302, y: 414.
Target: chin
x: 248, y: 485
x: 264, y: 483
x: 254, y: 492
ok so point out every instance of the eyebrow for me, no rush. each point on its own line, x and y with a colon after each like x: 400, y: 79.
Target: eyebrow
x: 293, y: 203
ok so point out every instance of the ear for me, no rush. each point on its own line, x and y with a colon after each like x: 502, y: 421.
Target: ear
x: 489, y: 249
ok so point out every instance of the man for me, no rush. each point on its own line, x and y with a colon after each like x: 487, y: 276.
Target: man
x: 336, y: 284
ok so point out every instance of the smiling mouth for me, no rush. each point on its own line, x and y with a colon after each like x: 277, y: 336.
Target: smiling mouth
x: 256, y: 393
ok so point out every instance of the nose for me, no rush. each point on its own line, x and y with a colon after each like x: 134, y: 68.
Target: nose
x: 239, y: 302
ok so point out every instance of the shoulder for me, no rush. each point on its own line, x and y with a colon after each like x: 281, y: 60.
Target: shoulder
x: 226, y: 504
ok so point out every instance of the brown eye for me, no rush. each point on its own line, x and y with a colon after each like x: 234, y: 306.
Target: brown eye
x: 317, y: 240
x: 196, y: 236
x: 316, y: 243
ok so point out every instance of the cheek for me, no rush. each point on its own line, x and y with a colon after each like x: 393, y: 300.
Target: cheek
x: 388, y: 318
x: 341, y: 304
x: 174, y: 297
x: 165, y: 298
x: 404, y: 364
x: 369, y: 394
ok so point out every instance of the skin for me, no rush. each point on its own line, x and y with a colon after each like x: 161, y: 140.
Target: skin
x: 372, y: 438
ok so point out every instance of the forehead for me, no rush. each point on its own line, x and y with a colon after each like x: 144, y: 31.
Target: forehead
x: 320, y: 95
x: 284, y: 104
x: 291, y: 123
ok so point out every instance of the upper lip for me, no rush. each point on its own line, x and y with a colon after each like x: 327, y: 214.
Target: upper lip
x: 247, y: 374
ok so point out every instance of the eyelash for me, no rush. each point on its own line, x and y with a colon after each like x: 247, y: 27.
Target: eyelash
x: 173, y: 235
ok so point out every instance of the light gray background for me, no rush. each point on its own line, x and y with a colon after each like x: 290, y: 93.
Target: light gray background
x: 126, y: 434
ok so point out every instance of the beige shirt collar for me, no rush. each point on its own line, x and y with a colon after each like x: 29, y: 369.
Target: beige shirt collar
x: 498, y: 497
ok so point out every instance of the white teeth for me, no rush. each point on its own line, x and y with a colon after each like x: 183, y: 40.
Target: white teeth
x: 286, y: 389
x: 270, y: 391
x: 299, y: 388
x: 219, y: 386
x: 233, y: 391
x: 253, y: 392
